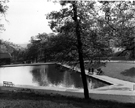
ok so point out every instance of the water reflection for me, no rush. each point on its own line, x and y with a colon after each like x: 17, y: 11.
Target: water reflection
x: 53, y: 75
x: 46, y: 75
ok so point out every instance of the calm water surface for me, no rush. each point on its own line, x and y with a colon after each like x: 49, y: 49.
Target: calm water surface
x: 46, y: 75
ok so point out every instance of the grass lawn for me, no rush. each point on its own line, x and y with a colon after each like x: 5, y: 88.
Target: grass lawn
x: 121, y: 70
x: 10, y: 99
x: 124, y: 71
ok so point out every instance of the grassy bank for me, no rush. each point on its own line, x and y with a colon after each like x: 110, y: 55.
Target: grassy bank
x: 124, y: 71
x: 120, y: 70
x: 10, y: 99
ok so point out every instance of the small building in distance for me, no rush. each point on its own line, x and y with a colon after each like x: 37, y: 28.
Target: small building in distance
x: 5, y: 58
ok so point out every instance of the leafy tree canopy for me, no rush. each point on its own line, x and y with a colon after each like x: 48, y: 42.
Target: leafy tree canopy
x: 3, y: 9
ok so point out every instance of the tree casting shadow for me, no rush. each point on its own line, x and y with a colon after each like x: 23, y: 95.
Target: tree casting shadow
x: 129, y: 72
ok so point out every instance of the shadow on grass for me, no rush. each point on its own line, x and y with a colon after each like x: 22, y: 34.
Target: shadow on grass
x: 59, y: 99
x: 129, y: 72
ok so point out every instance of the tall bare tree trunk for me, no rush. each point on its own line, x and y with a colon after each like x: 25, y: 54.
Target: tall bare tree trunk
x: 80, y: 52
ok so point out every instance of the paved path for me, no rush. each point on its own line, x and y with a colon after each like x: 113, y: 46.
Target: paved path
x: 30, y: 64
x: 108, y: 79
x: 119, y: 96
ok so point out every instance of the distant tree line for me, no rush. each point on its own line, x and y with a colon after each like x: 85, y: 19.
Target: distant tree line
x: 99, y: 24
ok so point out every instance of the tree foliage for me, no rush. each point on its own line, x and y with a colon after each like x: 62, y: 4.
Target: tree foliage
x: 92, y: 34
x: 99, y: 24
x: 120, y: 19
x: 52, y: 47
x: 3, y: 9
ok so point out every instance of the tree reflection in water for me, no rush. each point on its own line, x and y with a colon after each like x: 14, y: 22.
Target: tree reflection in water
x: 40, y: 75
x: 54, y: 75
x: 58, y: 76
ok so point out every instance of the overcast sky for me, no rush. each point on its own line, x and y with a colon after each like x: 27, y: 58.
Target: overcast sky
x: 26, y: 18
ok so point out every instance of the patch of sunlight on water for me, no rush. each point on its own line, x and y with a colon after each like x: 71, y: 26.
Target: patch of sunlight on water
x: 17, y: 75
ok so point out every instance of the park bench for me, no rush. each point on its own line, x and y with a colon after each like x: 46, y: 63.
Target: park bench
x: 6, y: 83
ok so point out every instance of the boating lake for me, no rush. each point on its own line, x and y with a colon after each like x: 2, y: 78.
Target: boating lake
x: 47, y: 75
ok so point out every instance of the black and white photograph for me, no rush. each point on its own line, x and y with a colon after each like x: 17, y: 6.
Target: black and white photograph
x: 67, y: 54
